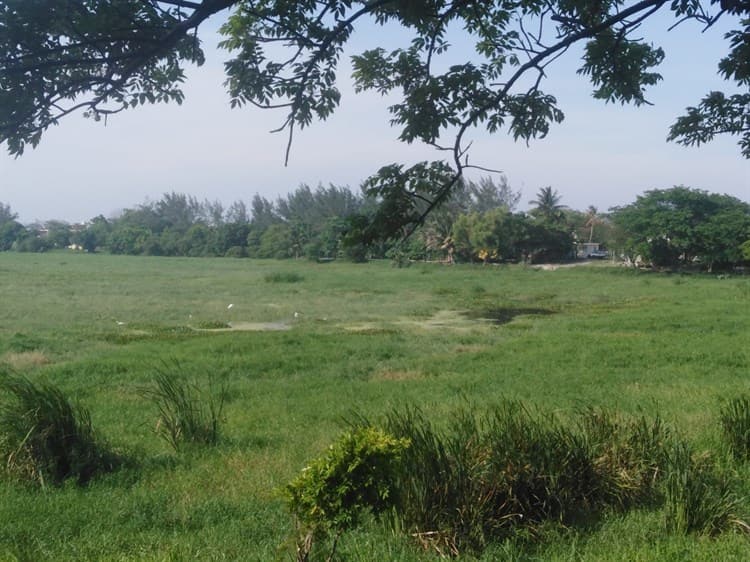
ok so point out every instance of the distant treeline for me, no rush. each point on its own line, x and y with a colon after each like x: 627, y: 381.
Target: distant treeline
x: 674, y: 227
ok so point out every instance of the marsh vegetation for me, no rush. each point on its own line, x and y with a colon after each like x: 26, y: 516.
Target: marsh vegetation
x: 629, y: 383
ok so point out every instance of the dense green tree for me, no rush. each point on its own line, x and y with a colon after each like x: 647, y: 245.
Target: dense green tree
x: 328, y: 243
x: 130, y: 239
x: 143, y: 216
x: 58, y: 233
x: 232, y: 235
x: 299, y: 205
x: 95, y: 236
x: 488, y: 194
x: 211, y: 213
x: 550, y: 243
x: 199, y: 240
x: 179, y: 212
x: 314, y: 207
x: 484, y: 235
x: 104, y: 56
x: 30, y: 241
x: 6, y: 213
x: 499, y: 235
x: 171, y: 242
x: 237, y: 213
x: 514, y: 233
x: 263, y: 213
x: 10, y: 229
x: 677, y: 226
x: 461, y: 238
x: 10, y: 232
x: 276, y: 242
x: 722, y: 235
x: 745, y: 250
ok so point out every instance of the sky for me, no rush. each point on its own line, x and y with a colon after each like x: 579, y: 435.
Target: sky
x: 602, y: 154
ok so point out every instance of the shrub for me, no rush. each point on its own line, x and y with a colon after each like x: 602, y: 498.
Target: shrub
x: 45, y: 438
x: 698, y: 499
x: 236, y: 252
x: 735, y: 423
x: 354, y: 476
x: 285, y: 277
x: 187, y: 414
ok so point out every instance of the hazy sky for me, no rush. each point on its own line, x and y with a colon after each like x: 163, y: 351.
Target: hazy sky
x: 602, y: 155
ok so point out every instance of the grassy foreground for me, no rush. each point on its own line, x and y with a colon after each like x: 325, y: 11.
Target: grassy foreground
x: 312, y: 343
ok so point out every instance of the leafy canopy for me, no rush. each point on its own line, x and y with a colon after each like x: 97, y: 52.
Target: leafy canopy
x: 105, y: 56
x: 677, y: 226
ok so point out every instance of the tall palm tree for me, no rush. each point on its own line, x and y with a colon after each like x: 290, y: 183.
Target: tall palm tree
x: 547, y: 204
x: 592, y: 219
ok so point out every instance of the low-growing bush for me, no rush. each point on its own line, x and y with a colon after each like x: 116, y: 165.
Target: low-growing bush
x: 283, y: 277
x: 354, y: 476
x: 187, y: 413
x: 44, y: 438
x: 735, y: 423
x: 236, y: 252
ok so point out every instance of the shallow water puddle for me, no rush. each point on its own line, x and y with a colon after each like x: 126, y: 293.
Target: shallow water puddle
x: 505, y: 314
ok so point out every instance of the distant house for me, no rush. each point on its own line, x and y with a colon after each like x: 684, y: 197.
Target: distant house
x: 590, y: 250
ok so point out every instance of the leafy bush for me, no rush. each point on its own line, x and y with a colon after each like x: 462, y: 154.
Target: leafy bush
x: 236, y: 252
x: 354, y: 476
x: 285, y: 277
x: 44, y: 438
x: 735, y: 422
x: 698, y: 498
x: 187, y: 414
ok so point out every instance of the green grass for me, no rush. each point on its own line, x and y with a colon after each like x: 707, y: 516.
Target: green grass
x: 366, y: 338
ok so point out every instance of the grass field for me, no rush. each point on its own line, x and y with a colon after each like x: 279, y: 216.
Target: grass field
x: 312, y: 343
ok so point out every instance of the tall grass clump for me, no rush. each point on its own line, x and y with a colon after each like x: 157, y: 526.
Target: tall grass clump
x: 698, y: 498
x: 629, y: 456
x: 187, y: 413
x: 479, y: 479
x: 483, y: 478
x: 735, y: 423
x: 44, y: 438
